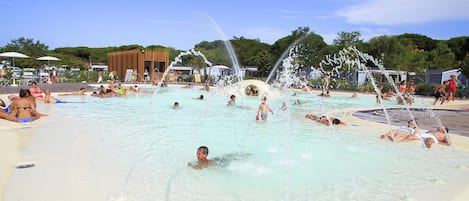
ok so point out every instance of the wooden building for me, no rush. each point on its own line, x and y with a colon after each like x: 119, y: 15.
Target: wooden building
x: 147, y: 64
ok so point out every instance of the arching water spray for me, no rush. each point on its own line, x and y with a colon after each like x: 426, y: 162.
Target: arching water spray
x: 230, y: 49
x: 284, y: 54
x: 178, y: 59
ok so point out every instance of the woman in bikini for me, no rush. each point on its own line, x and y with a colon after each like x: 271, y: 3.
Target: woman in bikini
x: 23, y: 110
x: 402, y: 132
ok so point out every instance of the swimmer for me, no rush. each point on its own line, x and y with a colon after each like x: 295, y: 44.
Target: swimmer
x: 232, y: 101
x: 202, y: 161
x: 263, y: 110
x: 201, y: 97
x: 326, y: 121
x: 176, y: 105
x: 284, y: 106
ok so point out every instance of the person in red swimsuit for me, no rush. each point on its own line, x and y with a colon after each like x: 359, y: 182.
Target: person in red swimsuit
x: 453, y: 82
x: 36, y: 91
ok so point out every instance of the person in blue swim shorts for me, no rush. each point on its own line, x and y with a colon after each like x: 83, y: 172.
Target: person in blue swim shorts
x: 264, y: 110
x: 50, y: 99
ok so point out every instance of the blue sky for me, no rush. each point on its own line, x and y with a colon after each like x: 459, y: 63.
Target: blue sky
x: 182, y: 24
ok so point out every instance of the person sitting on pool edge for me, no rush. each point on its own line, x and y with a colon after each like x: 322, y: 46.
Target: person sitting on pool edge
x: 202, y: 161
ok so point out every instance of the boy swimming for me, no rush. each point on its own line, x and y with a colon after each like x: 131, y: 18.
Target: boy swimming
x: 203, y: 162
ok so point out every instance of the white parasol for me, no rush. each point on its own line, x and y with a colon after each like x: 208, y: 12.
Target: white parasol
x: 13, y: 55
x: 48, y: 58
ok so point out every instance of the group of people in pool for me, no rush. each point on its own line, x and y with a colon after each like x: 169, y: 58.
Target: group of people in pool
x: 404, y: 95
x: 411, y: 133
x: 117, y: 90
x: 22, y: 108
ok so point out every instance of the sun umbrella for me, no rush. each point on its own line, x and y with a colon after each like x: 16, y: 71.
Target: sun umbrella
x: 13, y: 55
x: 48, y: 58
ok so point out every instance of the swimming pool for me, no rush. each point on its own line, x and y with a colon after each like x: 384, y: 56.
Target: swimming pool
x: 141, y: 147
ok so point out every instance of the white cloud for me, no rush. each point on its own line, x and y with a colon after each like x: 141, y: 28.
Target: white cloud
x: 368, y: 33
x: 290, y: 14
x: 391, y: 12
x: 160, y: 22
x: 171, y: 22
x: 329, y: 37
x: 265, y: 34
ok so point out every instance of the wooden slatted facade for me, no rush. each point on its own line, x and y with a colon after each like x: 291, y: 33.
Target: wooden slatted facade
x: 138, y: 60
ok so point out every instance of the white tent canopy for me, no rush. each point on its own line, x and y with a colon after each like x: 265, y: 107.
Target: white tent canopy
x: 48, y: 58
x: 13, y: 55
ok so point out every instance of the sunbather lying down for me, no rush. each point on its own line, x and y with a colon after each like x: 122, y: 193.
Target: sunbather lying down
x: 326, y: 121
x: 402, y: 132
x: 431, y: 137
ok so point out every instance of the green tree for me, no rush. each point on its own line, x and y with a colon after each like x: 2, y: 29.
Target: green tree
x: 464, y: 65
x: 312, y: 50
x: 29, y: 47
x: 81, y: 52
x: 459, y: 46
x: 264, y: 62
x: 215, y: 52
x: 441, y: 57
x: 282, y: 44
x: 347, y: 39
x: 129, y: 47
x: 247, y: 50
x: 419, y: 41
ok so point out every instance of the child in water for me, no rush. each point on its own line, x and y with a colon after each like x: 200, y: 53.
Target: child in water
x: 203, y: 162
x: 232, y: 101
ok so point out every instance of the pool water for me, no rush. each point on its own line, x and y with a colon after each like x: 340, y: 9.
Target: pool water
x: 144, y: 146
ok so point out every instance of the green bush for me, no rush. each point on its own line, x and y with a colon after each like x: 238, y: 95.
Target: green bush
x: 365, y: 87
x: 425, y: 89
x: 462, y: 92
x: 188, y: 78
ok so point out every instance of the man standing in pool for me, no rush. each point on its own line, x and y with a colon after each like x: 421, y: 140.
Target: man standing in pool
x: 203, y: 162
x: 264, y: 110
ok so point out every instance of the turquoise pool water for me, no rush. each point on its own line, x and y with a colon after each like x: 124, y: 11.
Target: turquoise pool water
x: 144, y: 146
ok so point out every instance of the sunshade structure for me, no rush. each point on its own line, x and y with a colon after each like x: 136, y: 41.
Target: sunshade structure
x: 13, y: 55
x: 48, y: 58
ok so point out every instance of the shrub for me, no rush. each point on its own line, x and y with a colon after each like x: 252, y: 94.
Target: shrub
x: 425, y: 89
